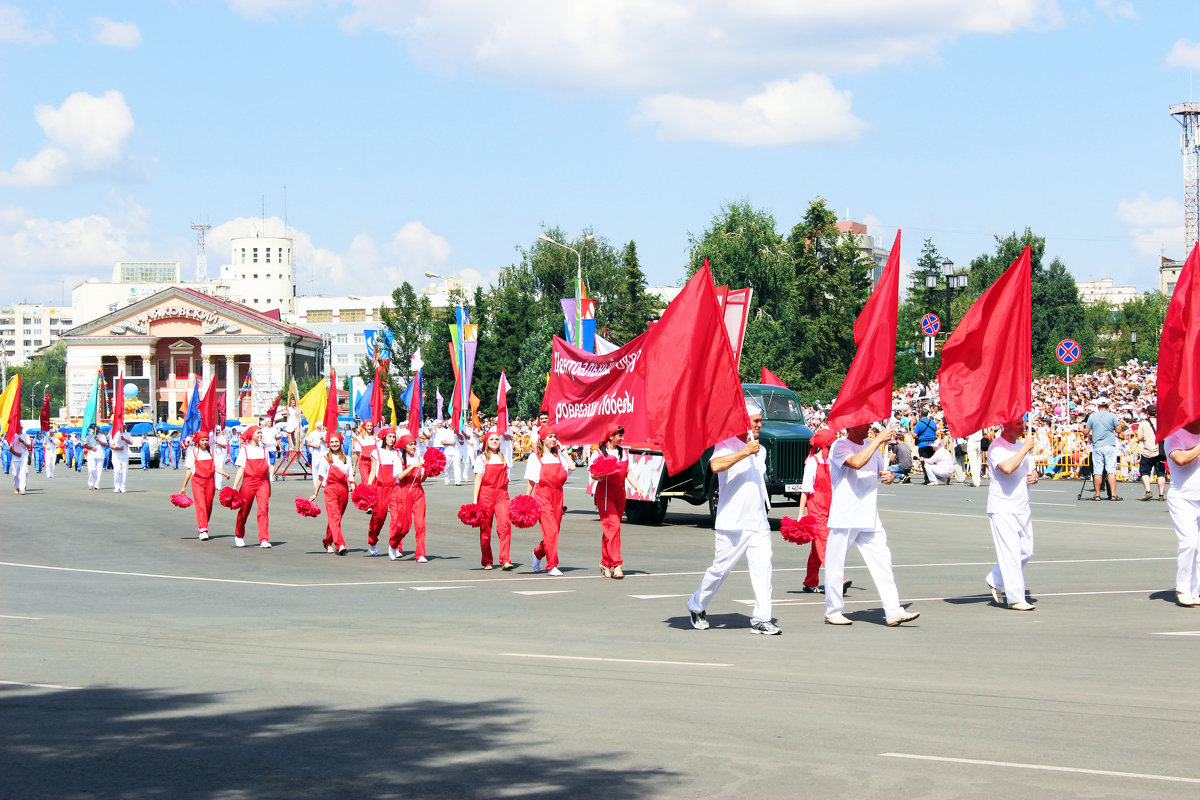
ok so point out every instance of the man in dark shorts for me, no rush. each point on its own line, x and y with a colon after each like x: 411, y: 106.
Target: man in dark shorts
x: 1153, y: 462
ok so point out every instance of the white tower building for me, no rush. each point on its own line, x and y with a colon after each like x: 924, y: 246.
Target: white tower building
x: 1188, y: 115
x: 261, y: 273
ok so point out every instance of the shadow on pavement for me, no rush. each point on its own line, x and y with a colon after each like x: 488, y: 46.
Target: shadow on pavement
x: 715, y: 621
x: 109, y: 743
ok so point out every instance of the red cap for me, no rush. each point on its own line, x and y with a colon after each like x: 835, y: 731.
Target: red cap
x: 610, y: 430
x: 248, y: 434
x: 382, y: 433
x: 334, y: 435
x: 546, y: 430
x: 406, y: 440
x: 823, y: 438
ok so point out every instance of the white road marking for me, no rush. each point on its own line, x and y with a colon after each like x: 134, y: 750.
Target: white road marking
x: 547, y: 591
x: 10, y: 616
x: 39, y: 685
x: 616, y: 660
x: 1045, y: 767
x: 1036, y: 503
x: 1067, y: 522
x: 147, y: 575
x: 906, y: 600
x: 434, y: 588
x: 1177, y: 633
x: 656, y: 596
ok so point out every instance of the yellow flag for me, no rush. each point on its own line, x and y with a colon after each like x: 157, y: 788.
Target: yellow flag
x: 393, y: 408
x: 11, y: 395
x: 312, y: 405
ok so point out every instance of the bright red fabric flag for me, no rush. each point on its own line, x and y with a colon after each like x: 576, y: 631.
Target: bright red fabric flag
x: 46, y: 412
x: 118, y: 414
x: 208, y: 407
x: 866, y: 394
x: 502, y: 404
x: 771, y: 379
x: 987, y: 363
x: 377, y: 400
x: 414, y: 405
x: 331, y: 404
x: 1179, y: 353
x: 693, y: 396
x: 270, y: 415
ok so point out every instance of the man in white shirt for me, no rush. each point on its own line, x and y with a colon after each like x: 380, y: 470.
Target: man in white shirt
x: 741, y: 527
x: 1012, y: 472
x: 94, y: 446
x: 1183, y: 501
x: 220, y: 454
x: 468, y: 447
x: 19, y: 467
x: 49, y: 452
x: 270, y: 441
x: 316, y: 443
x: 975, y: 456
x: 855, y: 468
x: 120, y: 442
x: 447, y: 439
x: 939, y: 467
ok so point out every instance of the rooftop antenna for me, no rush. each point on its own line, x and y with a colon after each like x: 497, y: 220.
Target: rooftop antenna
x: 1188, y: 115
x: 285, y: 211
x: 263, y: 199
x: 201, y: 257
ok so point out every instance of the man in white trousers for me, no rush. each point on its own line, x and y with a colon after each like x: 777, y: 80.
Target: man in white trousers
x: 120, y: 442
x: 49, y: 453
x: 1183, y: 501
x: 94, y: 446
x: 220, y: 453
x: 1012, y: 471
x: 856, y: 467
x: 975, y: 457
x: 20, y: 449
x: 742, y: 527
x: 448, y: 441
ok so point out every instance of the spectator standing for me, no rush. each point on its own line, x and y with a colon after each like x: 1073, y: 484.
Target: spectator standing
x: 1103, y: 428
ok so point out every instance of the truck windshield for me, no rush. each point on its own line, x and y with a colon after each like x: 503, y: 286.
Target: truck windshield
x: 782, y: 406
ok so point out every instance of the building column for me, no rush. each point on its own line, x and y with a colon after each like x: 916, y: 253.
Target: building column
x: 231, y: 387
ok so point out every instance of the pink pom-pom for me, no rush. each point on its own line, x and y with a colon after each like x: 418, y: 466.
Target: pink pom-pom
x: 801, y: 531
x: 230, y: 498
x: 307, y: 508
x: 472, y: 515
x: 181, y: 500
x: 524, y: 511
x: 364, y: 497
x: 435, y: 462
x: 604, y: 466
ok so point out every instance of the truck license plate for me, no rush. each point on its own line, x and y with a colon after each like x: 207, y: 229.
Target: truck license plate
x: 791, y: 488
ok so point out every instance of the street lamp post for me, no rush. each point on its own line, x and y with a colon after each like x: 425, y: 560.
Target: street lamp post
x: 1133, y: 343
x: 32, y: 395
x: 578, y: 282
x: 956, y: 282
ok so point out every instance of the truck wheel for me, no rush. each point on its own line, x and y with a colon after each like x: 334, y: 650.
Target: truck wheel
x: 714, y: 496
x: 660, y: 510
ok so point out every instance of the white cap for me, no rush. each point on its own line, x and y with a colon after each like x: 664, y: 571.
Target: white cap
x: 753, y: 409
x: 1101, y: 401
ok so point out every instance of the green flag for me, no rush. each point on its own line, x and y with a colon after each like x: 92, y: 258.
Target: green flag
x: 89, y: 411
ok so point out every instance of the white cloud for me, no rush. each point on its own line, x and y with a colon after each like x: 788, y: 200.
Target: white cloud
x: 805, y: 111
x: 271, y: 9
x: 116, y: 34
x: 1155, y: 226
x: 14, y: 28
x: 1184, y: 54
x: 86, y: 134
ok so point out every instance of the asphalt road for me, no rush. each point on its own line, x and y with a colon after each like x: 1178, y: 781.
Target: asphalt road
x: 138, y: 662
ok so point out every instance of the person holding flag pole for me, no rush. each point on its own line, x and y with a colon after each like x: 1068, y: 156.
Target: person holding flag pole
x: 120, y: 440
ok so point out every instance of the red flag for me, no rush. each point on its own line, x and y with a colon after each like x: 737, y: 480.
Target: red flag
x: 414, y: 405
x: 1179, y: 353
x: 866, y: 394
x: 208, y: 407
x: 331, y: 404
x: 502, y: 404
x: 46, y: 412
x: 270, y: 415
x: 987, y: 363
x: 118, y: 413
x: 693, y: 395
x: 771, y: 379
x: 377, y: 400
x: 13, y: 423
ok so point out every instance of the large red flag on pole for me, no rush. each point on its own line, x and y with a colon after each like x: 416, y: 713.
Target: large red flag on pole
x: 986, y: 376
x: 331, y: 404
x: 502, y: 404
x: 866, y: 394
x: 118, y: 411
x: 208, y: 407
x: 693, y: 395
x: 1179, y: 353
x: 771, y: 379
x: 45, y: 420
x: 377, y: 399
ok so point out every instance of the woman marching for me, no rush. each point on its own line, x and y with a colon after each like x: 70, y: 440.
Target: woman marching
x: 364, y: 445
x: 253, y: 480
x: 338, y: 481
x: 383, y: 478
x: 610, y: 499
x: 546, y: 471
x: 409, y: 500
x: 200, y: 468
x: 491, y: 492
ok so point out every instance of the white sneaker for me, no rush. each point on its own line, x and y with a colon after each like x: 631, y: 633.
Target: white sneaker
x: 556, y: 572
x: 372, y: 550
x: 122, y: 491
x: 997, y: 595
x: 329, y: 549
x: 537, y: 563
x: 393, y: 553
x: 265, y: 545
x: 1186, y: 599
x: 422, y: 560
x: 203, y: 536
x: 239, y: 541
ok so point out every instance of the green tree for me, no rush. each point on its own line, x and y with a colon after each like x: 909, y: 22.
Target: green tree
x: 634, y: 307
x: 1146, y: 315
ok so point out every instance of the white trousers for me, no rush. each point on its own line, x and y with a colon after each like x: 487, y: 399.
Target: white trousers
x: 49, y: 463
x: 1185, y: 514
x: 939, y: 475
x: 94, y: 465
x: 873, y: 546
x: 730, y: 547
x: 452, y: 463
x: 120, y: 474
x: 974, y: 461
x: 219, y: 458
x: 1013, y: 535
x: 20, y: 472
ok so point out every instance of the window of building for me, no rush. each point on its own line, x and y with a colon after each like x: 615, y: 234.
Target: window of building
x: 28, y: 321
x: 255, y: 252
x: 343, y: 358
x: 134, y: 365
x: 181, y: 368
x: 360, y: 338
x: 354, y: 315
x: 256, y: 276
x: 162, y: 369
x: 343, y: 338
x: 243, y: 255
x: 324, y: 315
x: 268, y: 254
x: 27, y: 343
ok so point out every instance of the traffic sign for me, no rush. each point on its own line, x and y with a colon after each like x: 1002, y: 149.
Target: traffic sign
x: 928, y: 347
x: 1068, y: 351
x: 930, y: 324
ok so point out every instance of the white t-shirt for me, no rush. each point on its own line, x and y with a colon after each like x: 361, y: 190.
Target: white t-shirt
x: 742, y: 505
x: 195, y: 454
x: 941, y: 463
x: 120, y: 446
x: 293, y: 419
x: 481, y: 465
x: 336, y: 464
x: 808, y: 481
x: 855, y: 492
x: 1185, y: 480
x: 1007, y: 494
x: 249, y: 451
x: 268, y: 438
x: 533, y: 466
x: 385, y: 458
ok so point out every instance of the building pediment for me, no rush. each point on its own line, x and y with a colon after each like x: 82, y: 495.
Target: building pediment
x: 179, y: 312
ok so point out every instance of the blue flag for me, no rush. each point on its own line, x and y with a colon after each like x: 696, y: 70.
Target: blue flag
x: 191, y: 422
x: 362, y: 408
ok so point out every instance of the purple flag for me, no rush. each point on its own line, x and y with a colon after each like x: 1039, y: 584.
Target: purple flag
x: 440, y: 401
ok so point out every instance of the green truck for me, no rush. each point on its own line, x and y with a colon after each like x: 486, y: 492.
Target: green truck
x: 784, y: 435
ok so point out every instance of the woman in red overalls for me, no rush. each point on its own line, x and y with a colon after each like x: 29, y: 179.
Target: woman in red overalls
x: 610, y: 500
x: 408, y: 499
x: 383, y: 478
x: 816, y: 492
x: 200, y: 469
x: 491, y: 491
x: 254, y: 481
x: 338, y: 480
x: 546, y: 471
x: 365, y: 441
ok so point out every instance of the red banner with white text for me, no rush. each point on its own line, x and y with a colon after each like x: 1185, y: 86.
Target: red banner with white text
x: 587, y: 391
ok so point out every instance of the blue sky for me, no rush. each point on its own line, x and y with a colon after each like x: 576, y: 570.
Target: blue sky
x: 441, y: 135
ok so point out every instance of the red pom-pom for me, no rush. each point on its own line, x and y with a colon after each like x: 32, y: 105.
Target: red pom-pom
x: 801, y: 531
x: 604, y: 466
x: 435, y: 462
x: 524, y: 511
x: 306, y: 508
x: 472, y: 515
x: 181, y: 500
x: 364, y: 497
x: 231, y: 498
